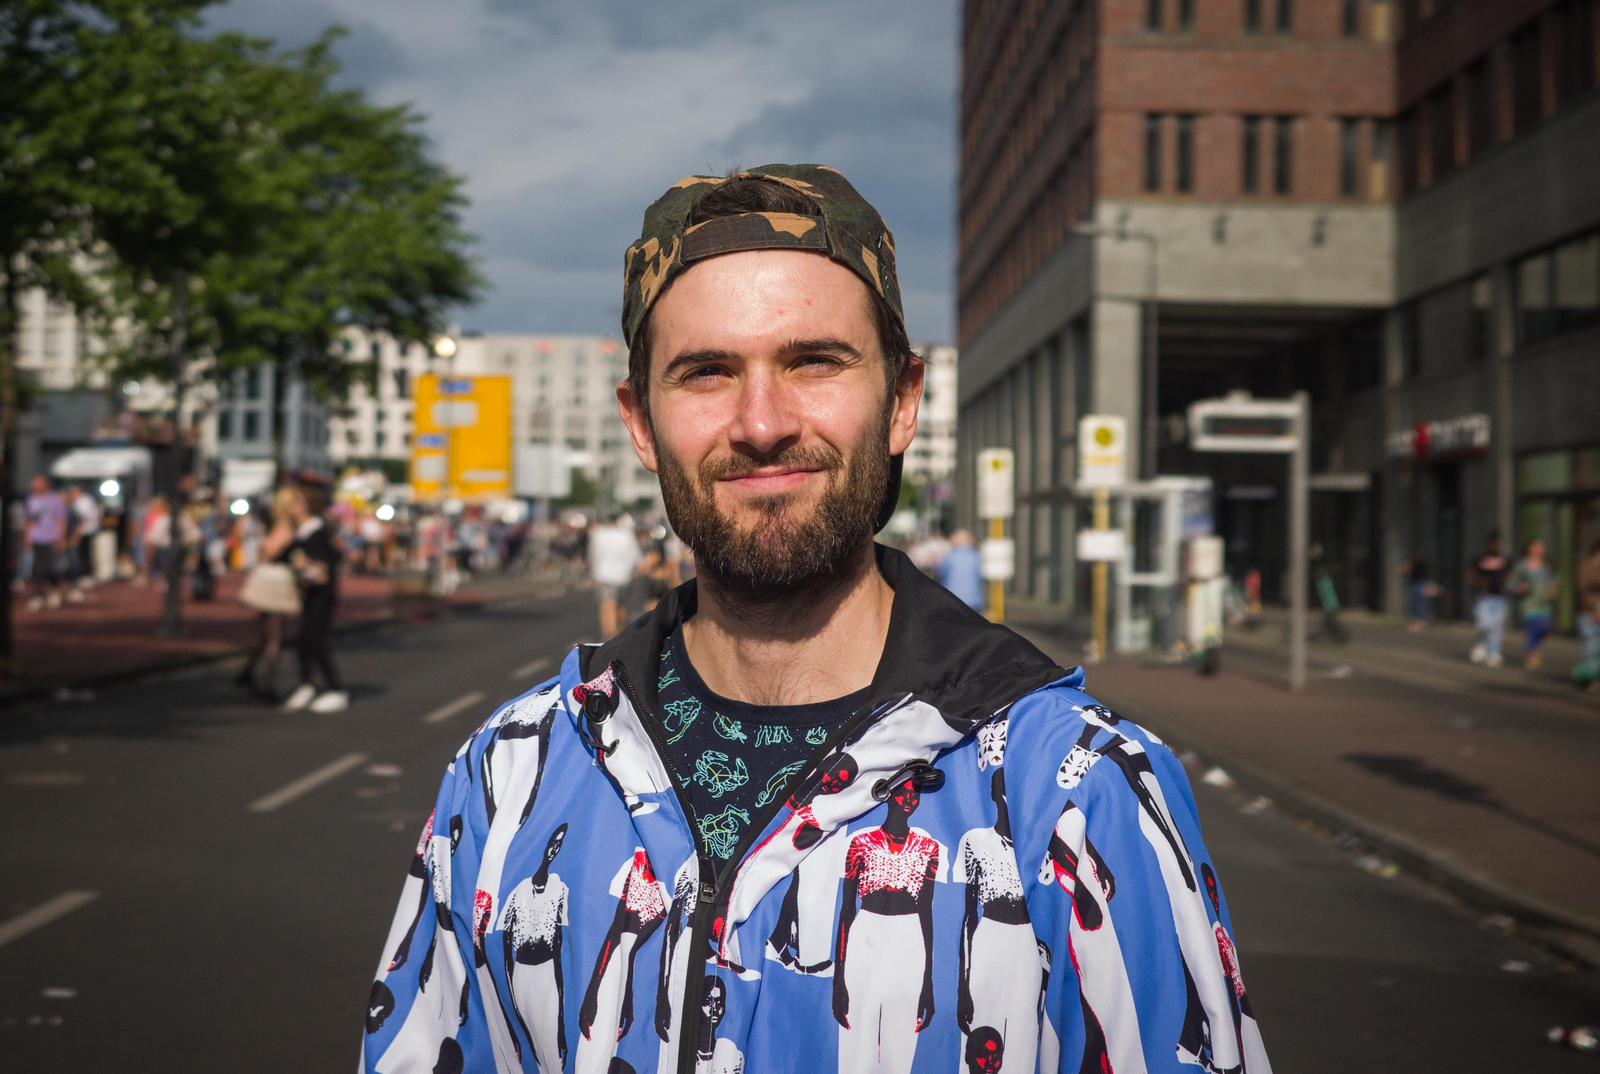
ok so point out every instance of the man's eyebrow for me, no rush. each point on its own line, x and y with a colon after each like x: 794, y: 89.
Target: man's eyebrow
x: 820, y: 345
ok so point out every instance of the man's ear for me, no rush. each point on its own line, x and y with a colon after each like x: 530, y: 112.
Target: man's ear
x: 638, y: 423
x: 907, y: 401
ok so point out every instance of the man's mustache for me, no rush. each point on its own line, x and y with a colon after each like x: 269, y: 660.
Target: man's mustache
x: 795, y: 458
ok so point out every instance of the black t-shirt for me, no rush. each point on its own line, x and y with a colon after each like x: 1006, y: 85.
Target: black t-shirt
x: 1492, y: 569
x: 733, y: 758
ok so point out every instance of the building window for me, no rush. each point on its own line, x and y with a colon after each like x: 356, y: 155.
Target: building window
x: 1382, y: 153
x: 252, y: 383
x: 1349, y: 156
x: 1286, y: 16
x: 1450, y: 327
x: 1526, y: 106
x: 1575, y: 65
x: 252, y: 425
x: 225, y: 423
x: 1558, y: 291
x: 1186, y: 16
x: 1185, y: 176
x: 1250, y: 155
x: 1442, y: 131
x: 379, y: 440
x: 402, y: 383
x: 1252, y: 16
x: 1480, y: 107
x: 1351, y: 10
x: 1152, y: 16
x: 1152, y: 154
x: 1283, y: 155
x: 375, y: 350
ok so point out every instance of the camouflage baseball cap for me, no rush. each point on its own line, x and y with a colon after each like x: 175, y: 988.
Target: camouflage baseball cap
x: 844, y: 227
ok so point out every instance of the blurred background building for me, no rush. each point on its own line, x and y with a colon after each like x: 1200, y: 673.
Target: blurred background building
x: 1393, y: 207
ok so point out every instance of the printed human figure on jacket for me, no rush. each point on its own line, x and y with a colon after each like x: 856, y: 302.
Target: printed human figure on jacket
x: 675, y: 958
x: 1211, y: 1004
x: 802, y: 939
x: 1255, y: 1052
x: 1072, y: 863
x: 985, y: 1051
x: 442, y: 979
x: 887, y: 920
x: 714, y: 1055
x: 1000, y: 971
x: 607, y: 1012
x: 532, y: 924
x: 515, y: 757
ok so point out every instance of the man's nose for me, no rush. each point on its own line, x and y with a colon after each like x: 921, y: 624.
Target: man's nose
x: 768, y: 418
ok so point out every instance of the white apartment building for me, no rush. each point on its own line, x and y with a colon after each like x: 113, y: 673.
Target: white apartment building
x: 932, y: 455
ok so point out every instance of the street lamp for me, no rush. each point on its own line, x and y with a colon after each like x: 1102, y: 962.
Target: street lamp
x: 1147, y: 437
x: 445, y: 347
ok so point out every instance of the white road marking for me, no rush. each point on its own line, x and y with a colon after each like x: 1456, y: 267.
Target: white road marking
x: 43, y: 914
x: 531, y: 668
x: 307, y: 783
x: 444, y: 712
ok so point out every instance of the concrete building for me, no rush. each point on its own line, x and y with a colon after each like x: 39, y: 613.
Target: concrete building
x: 563, y: 394
x: 932, y: 455
x: 1165, y: 200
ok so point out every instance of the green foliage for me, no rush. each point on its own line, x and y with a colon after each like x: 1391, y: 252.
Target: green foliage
x: 582, y: 494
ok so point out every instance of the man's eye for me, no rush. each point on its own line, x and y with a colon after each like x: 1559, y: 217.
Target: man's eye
x: 819, y: 361
x: 705, y: 372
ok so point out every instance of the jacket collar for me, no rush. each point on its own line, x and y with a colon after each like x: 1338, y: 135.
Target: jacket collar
x: 937, y: 649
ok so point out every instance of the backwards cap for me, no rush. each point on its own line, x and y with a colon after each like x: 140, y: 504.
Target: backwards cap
x: 843, y: 226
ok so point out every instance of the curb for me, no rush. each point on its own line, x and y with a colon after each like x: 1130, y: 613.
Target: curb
x: 16, y: 700
x: 1546, y: 926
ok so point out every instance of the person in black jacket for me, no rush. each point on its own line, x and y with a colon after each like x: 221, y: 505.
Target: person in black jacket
x: 315, y: 556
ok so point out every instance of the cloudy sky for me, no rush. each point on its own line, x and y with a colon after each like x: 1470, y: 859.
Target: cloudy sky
x: 567, y: 117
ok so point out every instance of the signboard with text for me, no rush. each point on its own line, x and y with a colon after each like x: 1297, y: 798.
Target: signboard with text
x: 997, y: 469
x: 1102, y: 451
x: 462, y: 443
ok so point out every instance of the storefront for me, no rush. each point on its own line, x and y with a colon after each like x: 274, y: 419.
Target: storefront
x: 1444, y: 482
x: 1558, y: 502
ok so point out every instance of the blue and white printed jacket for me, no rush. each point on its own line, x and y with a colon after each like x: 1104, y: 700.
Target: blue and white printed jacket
x: 984, y: 869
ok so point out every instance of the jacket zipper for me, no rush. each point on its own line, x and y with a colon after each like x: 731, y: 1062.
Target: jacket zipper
x: 713, y: 883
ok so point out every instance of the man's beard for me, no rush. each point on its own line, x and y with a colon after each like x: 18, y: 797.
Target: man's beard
x: 778, y: 555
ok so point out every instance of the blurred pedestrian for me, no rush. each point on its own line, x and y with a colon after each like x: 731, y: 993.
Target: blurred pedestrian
x: 613, y: 557
x: 315, y: 556
x: 273, y: 591
x: 1489, y: 572
x: 1327, y: 599
x: 961, y: 571
x: 1422, y: 590
x: 48, y: 524
x: 1588, y: 670
x: 1533, y: 583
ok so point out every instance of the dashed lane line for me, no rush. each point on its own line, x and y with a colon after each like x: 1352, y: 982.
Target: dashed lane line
x: 307, y: 783
x: 444, y: 712
x: 44, y: 913
x: 531, y: 668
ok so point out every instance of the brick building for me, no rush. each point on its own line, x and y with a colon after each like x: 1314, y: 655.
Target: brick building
x: 1165, y: 200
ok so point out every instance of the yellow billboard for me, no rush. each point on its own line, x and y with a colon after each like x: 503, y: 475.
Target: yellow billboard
x: 461, y: 447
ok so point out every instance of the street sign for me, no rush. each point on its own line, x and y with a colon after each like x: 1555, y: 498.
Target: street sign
x: 1247, y: 425
x: 1101, y: 546
x: 463, y: 437
x: 996, y: 491
x: 542, y: 471
x: 1102, y: 451
x: 997, y: 559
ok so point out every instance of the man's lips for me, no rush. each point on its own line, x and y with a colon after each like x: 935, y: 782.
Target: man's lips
x: 768, y: 481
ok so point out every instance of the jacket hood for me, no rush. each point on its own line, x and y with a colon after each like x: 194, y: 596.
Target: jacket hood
x: 937, y: 650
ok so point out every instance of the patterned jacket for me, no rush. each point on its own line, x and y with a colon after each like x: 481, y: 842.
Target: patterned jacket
x: 982, y: 869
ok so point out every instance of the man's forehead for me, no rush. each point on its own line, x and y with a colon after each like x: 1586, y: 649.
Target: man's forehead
x: 761, y: 301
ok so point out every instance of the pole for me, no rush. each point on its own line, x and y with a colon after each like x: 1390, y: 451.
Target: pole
x: 450, y: 427
x: 1102, y: 522
x: 1152, y: 375
x: 1299, y: 524
x: 997, y: 590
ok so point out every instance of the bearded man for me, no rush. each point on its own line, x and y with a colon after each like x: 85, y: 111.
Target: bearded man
x: 796, y: 700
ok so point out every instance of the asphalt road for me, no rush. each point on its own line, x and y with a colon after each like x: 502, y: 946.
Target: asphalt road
x: 196, y: 883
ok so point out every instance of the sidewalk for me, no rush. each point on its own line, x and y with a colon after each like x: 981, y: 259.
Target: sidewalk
x: 1480, y: 780
x: 114, y: 635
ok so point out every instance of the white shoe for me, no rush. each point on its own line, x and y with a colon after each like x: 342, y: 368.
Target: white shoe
x: 300, y: 698
x: 75, y: 596
x: 53, y: 600
x: 332, y: 701
x: 1494, y: 660
x: 1478, y: 654
x: 35, y: 604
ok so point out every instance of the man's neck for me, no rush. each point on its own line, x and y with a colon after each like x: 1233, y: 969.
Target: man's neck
x: 810, y: 648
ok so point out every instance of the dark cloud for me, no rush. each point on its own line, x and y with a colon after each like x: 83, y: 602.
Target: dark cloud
x: 567, y: 119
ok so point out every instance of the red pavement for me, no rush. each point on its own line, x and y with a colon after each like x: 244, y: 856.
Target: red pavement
x: 1494, y: 796
x: 115, y: 633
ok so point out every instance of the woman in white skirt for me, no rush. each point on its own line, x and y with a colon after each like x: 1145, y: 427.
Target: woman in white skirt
x: 889, y: 874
